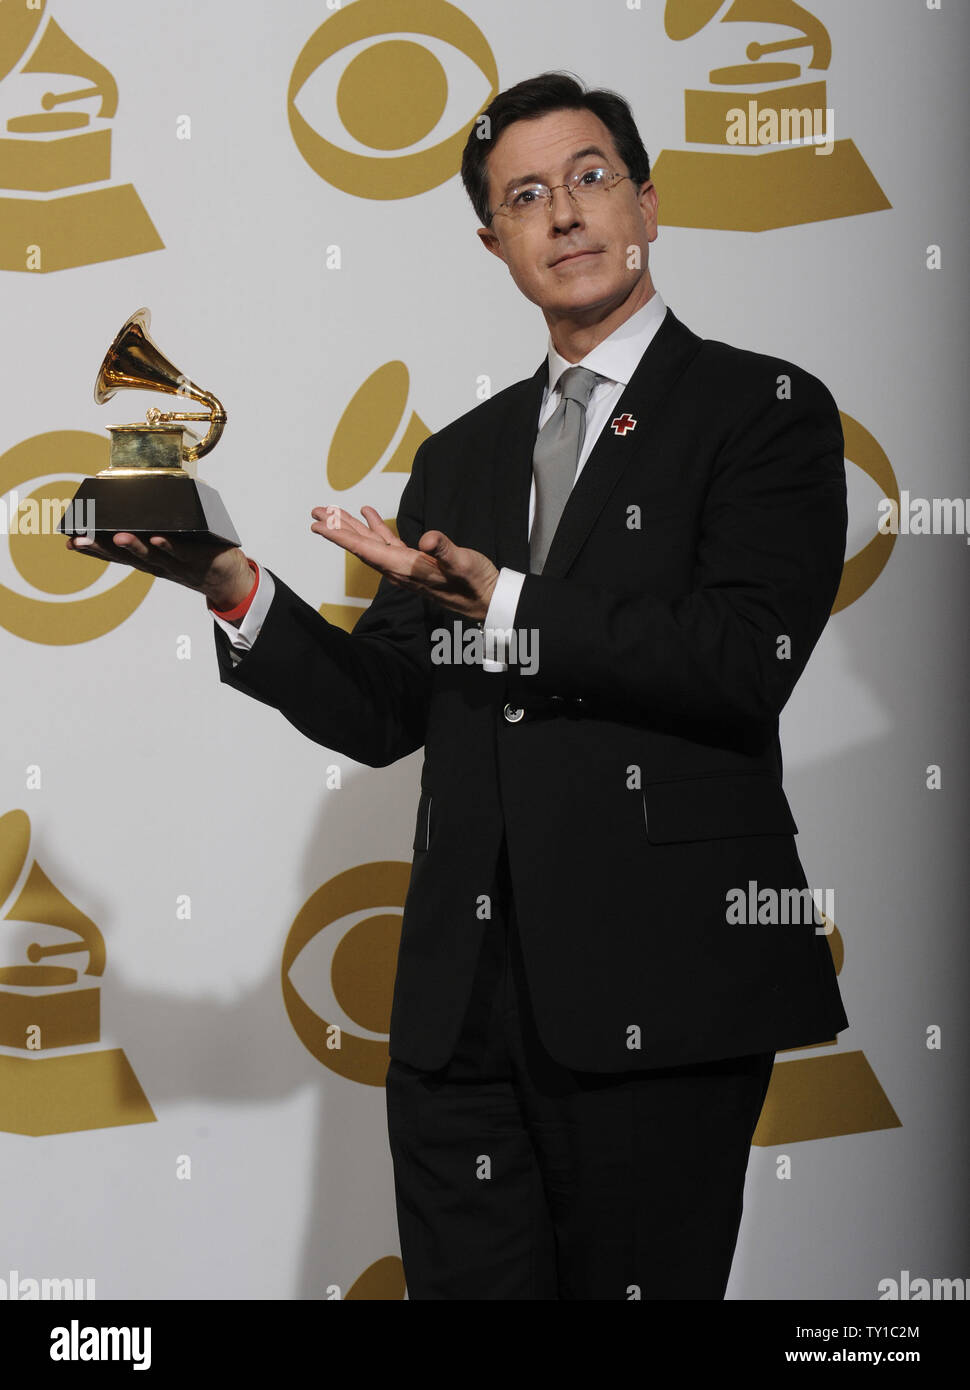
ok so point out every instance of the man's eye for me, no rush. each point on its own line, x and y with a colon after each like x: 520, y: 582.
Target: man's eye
x: 593, y: 176
x: 526, y: 196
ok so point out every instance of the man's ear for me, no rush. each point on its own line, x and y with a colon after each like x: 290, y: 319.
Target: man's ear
x: 647, y: 198
x: 491, y: 242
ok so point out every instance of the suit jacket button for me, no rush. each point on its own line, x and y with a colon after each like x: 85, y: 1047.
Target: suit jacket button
x: 512, y: 714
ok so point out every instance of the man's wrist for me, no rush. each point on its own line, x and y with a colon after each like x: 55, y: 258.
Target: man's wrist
x: 487, y: 599
x: 231, y: 603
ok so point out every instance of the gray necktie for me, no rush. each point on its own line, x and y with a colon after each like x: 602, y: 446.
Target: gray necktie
x: 555, y: 459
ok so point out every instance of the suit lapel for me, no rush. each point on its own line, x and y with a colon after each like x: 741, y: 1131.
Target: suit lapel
x: 645, y: 398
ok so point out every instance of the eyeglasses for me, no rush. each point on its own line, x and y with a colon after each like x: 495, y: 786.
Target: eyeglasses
x: 586, y: 189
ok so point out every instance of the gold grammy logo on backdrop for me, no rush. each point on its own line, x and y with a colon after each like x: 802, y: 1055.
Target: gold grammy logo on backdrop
x: 391, y: 96
x: 39, y: 554
x: 45, y: 1011
x: 754, y: 189
x: 362, y: 970
x: 362, y: 437
x: 62, y: 146
x: 382, y: 1281
x: 823, y: 1097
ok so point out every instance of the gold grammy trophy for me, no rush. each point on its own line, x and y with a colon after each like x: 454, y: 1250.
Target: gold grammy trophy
x: 150, y: 485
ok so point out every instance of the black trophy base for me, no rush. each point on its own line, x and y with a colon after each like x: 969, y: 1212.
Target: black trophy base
x: 177, y: 506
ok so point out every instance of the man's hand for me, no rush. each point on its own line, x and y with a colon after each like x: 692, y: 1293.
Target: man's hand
x: 453, y: 576
x: 219, y: 571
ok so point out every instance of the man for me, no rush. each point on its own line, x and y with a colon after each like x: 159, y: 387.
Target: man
x: 582, y: 1034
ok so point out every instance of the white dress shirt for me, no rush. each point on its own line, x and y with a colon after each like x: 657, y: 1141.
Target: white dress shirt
x: 615, y: 359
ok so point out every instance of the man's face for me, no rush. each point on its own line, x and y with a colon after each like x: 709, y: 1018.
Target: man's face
x: 541, y: 249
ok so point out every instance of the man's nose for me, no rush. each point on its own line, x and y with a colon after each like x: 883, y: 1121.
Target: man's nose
x: 565, y: 211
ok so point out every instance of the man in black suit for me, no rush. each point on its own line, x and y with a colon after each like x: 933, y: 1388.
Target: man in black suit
x: 604, y: 587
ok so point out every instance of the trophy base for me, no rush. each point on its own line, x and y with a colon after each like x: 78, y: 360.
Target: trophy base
x: 149, y: 505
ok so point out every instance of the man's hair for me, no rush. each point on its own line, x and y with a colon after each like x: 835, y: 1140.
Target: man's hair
x: 537, y: 96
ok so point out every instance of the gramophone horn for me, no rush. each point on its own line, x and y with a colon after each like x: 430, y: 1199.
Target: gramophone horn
x: 684, y: 18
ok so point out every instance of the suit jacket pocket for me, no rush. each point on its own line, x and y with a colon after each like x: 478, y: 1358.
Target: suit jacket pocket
x: 711, y: 808
x: 422, y: 825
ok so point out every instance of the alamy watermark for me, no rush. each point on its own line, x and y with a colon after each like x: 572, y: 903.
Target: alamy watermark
x: 20, y: 1288
x: 789, y: 125
x: 459, y: 645
x: 923, y: 516
x: 754, y: 906
x: 909, y: 1287
x: 77, y: 1343
x: 41, y: 516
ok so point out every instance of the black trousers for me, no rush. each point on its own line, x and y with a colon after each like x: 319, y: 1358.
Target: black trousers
x: 518, y: 1178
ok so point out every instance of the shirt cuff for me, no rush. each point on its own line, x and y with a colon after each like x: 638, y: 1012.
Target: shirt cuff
x: 500, y: 618
x: 243, y: 636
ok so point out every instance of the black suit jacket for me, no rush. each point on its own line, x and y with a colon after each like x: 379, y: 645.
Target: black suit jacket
x: 693, y: 570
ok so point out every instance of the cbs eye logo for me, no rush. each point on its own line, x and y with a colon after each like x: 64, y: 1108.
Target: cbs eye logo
x: 391, y: 95
x: 861, y: 570
x: 362, y: 968
x: 33, y: 553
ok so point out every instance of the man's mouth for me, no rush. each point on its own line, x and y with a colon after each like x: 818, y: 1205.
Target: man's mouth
x: 574, y: 255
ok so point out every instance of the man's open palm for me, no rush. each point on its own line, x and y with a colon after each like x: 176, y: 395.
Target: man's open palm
x: 455, y: 577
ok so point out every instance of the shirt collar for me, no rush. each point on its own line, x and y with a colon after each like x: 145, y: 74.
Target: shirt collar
x: 617, y: 356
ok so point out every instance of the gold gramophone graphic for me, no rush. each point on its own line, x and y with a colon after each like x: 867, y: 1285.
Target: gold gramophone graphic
x: 150, y: 485
x: 362, y: 437
x: 48, y: 1085
x: 823, y: 1096
x: 754, y: 188
x: 382, y: 1281
x: 53, y: 149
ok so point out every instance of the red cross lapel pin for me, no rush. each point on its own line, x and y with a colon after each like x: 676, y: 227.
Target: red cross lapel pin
x: 623, y: 424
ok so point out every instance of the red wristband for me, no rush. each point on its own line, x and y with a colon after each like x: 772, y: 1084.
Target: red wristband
x: 241, y: 609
